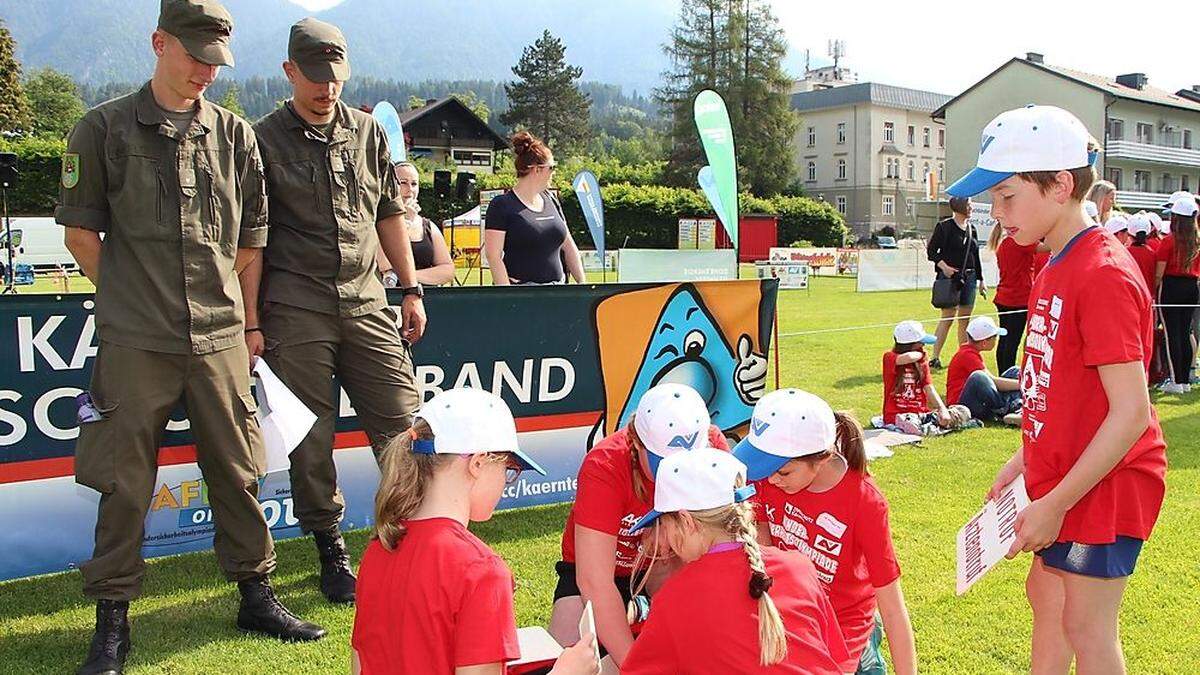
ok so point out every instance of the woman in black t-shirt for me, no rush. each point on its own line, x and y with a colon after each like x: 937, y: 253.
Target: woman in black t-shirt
x: 526, y: 239
x: 954, y: 251
x: 430, y: 253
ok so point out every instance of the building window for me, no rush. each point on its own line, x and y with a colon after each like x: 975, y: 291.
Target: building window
x: 1187, y: 139
x: 841, y: 174
x: 941, y: 171
x: 1141, y: 181
x: 941, y: 138
x: 812, y: 136
x: 841, y: 204
x: 889, y: 205
x: 1116, y: 130
x: 925, y: 174
x: 1114, y: 177
x: 926, y: 137
x: 812, y: 171
x: 912, y: 135
x: 912, y: 169
x: 908, y: 207
x: 1185, y: 182
x: 841, y: 133
x: 889, y: 132
x: 893, y: 168
x: 1145, y: 133
x: 1168, y: 183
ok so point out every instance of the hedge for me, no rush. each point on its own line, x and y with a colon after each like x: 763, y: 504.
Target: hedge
x: 40, y: 162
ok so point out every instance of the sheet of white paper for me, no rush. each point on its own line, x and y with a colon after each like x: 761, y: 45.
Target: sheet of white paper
x: 984, y: 540
x: 877, y: 450
x: 283, y: 418
x: 587, y: 625
x: 536, y: 646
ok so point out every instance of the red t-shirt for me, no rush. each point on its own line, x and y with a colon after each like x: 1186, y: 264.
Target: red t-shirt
x: 1146, y: 258
x: 703, y: 620
x: 1089, y: 308
x: 1166, y: 253
x: 911, y: 397
x: 845, y: 532
x: 966, y: 361
x: 441, y: 600
x: 605, y: 500
x: 1016, y: 272
x: 1040, y: 259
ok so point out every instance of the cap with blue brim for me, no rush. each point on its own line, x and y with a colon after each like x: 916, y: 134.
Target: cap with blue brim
x: 697, y: 480
x: 1033, y: 138
x: 786, y: 424
x: 467, y: 421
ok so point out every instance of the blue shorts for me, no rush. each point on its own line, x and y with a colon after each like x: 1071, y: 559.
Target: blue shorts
x: 1103, y: 561
x: 871, y: 662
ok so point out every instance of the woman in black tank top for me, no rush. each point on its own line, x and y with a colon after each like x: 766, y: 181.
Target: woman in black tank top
x: 430, y: 253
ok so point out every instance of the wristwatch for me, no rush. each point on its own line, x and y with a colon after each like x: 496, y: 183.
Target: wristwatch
x: 413, y: 290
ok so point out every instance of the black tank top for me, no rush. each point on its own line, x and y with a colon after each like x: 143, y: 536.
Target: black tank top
x: 423, y: 250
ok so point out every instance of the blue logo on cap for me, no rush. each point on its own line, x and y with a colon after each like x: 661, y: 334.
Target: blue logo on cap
x: 759, y: 426
x: 987, y: 140
x: 685, y: 442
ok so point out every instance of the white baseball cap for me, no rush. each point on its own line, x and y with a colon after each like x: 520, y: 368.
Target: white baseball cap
x: 1159, y: 223
x: 671, y: 418
x: 1140, y: 223
x: 911, y: 332
x: 1090, y: 208
x: 786, y: 424
x: 1175, y: 196
x: 1117, y: 222
x: 467, y: 421
x: 983, y: 327
x: 1033, y: 138
x: 702, y: 479
x: 1185, y: 205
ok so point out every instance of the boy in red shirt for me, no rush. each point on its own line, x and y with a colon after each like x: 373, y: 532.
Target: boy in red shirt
x: 431, y: 597
x: 968, y: 382
x: 1093, y: 460
x: 734, y: 607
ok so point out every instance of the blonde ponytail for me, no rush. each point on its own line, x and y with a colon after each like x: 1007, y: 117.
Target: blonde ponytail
x: 406, y: 476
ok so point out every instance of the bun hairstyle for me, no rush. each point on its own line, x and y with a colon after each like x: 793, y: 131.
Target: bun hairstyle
x: 529, y: 152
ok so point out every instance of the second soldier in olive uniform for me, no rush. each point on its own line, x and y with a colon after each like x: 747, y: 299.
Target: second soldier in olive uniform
x: 333, y: 202
x: 176, y: 185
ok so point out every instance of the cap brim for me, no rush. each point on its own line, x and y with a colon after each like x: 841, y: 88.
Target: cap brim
x: 977, y: 180
x: 527, y: 462
x: 653, y: 460
x: 759, y: 464
x: 212, y: 53
x: 929, y: 340
x: 645, y: 521
x: 325, y: 71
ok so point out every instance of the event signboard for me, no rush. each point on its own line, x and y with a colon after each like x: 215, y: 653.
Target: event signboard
x: 568, y: 387
x: 790, y: 275
x: 698, y: 233
x: 640, y: 265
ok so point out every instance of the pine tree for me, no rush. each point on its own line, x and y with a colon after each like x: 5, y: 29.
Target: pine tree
x: 55, y: 101
x: 546, y: 99
x: 15, y: 117
x: 230, y: 100
x: 736, y: 48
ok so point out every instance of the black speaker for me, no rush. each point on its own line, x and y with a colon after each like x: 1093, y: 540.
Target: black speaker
x: 465, y: 185
x: 8, y: 169
x: 441, y: 184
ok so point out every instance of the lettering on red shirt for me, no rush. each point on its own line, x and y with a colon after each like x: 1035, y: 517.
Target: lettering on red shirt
x: 910, y: 398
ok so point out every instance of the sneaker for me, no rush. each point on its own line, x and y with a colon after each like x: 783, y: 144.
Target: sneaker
x: 1185, y: 388
x: 1013, y: 419
x: 1172, y: 388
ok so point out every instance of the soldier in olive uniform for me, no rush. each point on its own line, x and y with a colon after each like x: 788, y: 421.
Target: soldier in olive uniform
x: 334, y: 202
x: 176, y: 186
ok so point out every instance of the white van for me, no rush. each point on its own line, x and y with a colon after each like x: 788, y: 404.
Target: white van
x: 41, y: 246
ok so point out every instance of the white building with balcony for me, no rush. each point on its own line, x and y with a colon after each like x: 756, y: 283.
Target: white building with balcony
x: 1151, y: 137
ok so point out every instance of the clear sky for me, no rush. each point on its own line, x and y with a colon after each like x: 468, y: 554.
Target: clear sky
x: 946, y: 46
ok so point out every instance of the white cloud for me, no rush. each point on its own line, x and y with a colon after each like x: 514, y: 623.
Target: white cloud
x: 948, y: 46
x: 317, y: 5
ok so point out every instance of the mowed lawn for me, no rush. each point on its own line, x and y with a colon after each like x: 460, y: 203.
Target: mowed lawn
x: 184, y: 622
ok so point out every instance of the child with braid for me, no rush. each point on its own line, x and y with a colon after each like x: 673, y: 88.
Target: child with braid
x: 733, y: 607
x: 814, y: 495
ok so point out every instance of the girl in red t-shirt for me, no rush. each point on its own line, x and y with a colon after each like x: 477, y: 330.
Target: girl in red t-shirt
x: 733, y: 607
x: 815, y: 495
x: 907, y: 384
x: 1178, y: 273
x: 1012, y: 294
x: 431, y: 597
x: 616, y: 487
x: 1093, y: 458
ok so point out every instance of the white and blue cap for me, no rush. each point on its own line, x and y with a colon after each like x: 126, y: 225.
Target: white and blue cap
x: 671, y: 418
x: 702, y: 479
x: 467, y: 421
x: 786, y: 424
x: 1119, y: 222
x: 1175, y: 196
x: 1033, y: 138
x: 983, y: 327
x: 912, y: 332
x: 1184, y: 205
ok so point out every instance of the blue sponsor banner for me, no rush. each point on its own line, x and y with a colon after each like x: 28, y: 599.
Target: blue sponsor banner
x: 587, y: 188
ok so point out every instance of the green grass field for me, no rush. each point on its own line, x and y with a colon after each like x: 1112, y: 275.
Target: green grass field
x: 184, y: 622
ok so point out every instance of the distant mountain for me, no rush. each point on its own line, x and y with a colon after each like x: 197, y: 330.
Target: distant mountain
x: 615, y: 41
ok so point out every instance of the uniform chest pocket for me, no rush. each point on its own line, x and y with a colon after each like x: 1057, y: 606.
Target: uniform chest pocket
x: 217, y: 198
x: 367, y: 186
x: 293, y: 191
x: 137, y: 193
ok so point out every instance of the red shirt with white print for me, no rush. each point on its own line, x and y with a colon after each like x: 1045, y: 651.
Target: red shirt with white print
x: 605, y: 500
x: 844, y: 530
x: 704, y: 620
x: 1089, y: 308
x: 911, y: 396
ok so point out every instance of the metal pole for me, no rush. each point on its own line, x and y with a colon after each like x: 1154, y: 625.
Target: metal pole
x: 10, y: 275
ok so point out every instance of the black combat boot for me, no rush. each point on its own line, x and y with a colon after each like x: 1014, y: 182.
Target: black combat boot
x: 261, y: 612
x: 337, y: 581
x: 110, y: 643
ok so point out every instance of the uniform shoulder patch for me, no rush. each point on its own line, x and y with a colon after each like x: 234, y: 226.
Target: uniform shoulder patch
x: 70, y: 170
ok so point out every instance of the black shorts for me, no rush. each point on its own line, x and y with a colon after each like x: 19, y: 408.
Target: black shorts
x: 568, y: 587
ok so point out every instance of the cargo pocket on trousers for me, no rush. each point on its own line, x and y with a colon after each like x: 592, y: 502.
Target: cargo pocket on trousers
x: 96, y: 449
x: 254, y: 439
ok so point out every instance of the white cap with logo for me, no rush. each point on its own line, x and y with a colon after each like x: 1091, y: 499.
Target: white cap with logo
x: 467, y: 421
x: 786, y: 424
x: 1140, y: 223
x: 671, y: 418
x: 912, y: 332
x: 1033, y: 138
x: 1184, y: 205
x: 702, y: 479
x: 983, y: 327
x: 1175, y: 196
